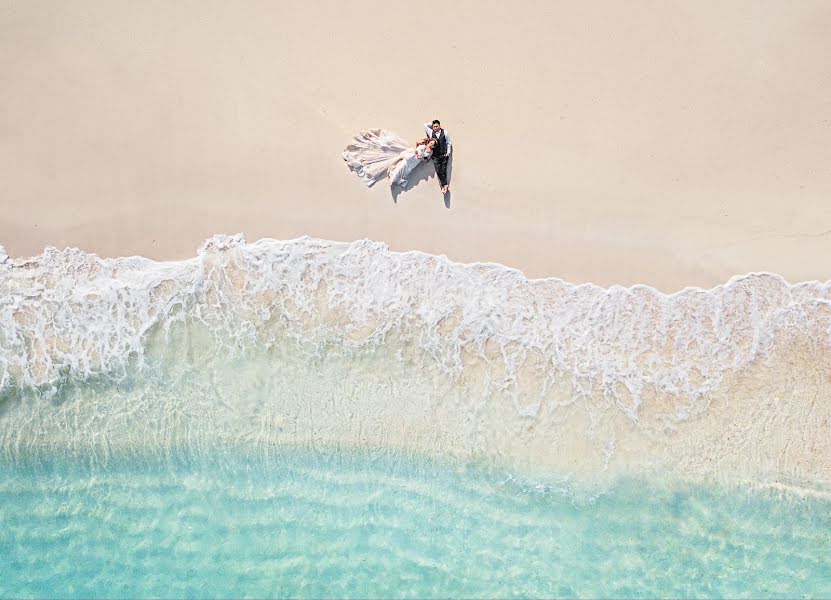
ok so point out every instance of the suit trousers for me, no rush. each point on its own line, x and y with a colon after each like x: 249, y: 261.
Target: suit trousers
x: 440, y: 162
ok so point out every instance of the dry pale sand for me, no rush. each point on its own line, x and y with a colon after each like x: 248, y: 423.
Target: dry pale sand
x: 669, y: 143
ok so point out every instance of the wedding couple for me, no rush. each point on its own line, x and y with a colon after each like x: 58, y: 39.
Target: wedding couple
x: 376, y: 153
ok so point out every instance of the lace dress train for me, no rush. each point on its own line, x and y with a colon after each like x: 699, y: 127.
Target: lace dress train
x: 375, y: 154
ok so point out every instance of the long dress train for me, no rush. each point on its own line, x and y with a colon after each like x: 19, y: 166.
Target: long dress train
x: 374, y: 154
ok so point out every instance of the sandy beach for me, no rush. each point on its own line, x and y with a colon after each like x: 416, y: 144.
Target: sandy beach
x: 670, y: 143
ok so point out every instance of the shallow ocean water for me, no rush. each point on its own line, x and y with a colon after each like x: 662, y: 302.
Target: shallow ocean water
x: 314, y: 524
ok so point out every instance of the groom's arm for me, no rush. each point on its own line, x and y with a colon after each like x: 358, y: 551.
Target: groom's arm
x: 428, y: 127
x: 449, y: 143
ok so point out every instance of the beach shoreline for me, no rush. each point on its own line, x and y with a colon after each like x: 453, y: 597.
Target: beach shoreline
x: 309, y: 341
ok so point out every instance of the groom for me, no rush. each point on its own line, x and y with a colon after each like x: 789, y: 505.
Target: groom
x: 441, y: 153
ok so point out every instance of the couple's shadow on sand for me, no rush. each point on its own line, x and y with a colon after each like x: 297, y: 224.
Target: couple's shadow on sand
x: 423, y: 172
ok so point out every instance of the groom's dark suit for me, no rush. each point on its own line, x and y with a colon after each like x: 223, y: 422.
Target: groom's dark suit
x: 440, y: 157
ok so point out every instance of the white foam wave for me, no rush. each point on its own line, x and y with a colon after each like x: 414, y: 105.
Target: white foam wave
x: 70, y: 313
x: 653, y: 359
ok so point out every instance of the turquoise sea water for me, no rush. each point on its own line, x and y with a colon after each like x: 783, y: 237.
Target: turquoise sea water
x: 315, y: 524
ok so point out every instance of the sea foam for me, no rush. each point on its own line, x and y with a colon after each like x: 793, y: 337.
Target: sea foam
x: 311, y: 341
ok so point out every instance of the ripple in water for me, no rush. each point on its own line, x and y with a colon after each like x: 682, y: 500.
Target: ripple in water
x: 300, y: 524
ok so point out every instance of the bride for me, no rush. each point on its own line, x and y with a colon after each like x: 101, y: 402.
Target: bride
x: 375, y: 154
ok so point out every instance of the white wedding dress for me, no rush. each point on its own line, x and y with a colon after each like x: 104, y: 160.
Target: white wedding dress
x: 375, y: 154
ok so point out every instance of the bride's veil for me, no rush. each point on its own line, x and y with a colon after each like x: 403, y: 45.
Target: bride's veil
x: 371, y: 152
